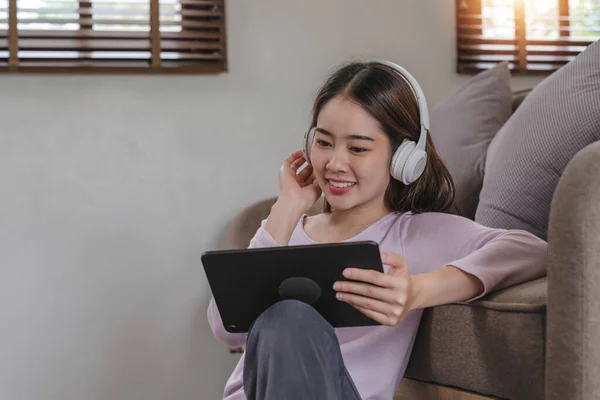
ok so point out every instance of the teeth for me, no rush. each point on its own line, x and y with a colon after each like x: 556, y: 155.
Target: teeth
x: 341, y: 185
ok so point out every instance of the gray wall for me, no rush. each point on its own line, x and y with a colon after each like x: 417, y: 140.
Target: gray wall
x: 112, y: 187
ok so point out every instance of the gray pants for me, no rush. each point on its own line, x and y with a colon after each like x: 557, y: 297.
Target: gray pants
x: 292, y: 353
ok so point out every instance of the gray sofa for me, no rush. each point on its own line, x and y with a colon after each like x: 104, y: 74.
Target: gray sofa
x: 532, y: 341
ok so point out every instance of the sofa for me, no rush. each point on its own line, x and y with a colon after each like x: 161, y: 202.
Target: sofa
x: 537, y: 340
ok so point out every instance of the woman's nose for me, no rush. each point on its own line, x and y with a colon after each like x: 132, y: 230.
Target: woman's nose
x: 338, y: 161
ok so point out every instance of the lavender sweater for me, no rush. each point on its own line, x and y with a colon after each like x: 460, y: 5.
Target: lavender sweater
x: 376, y: 357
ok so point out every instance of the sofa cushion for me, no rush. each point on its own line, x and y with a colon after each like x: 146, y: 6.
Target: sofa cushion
x: 527, y: 157
x: 494, y: 346
x: 518, y: 97
x: 462, y: 127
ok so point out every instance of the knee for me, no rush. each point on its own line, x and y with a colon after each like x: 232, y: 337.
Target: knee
x: 289, y: 318
x: 285, y: 308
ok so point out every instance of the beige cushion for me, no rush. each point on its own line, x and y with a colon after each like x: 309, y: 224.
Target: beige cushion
x: 462, y: 127
x: 494, y: 346
x: 528, y: 155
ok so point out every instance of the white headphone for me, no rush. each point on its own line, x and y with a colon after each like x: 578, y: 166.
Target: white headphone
x: 409, y: 161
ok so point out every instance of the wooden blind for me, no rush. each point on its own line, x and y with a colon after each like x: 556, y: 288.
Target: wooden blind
x: 534, y: 36
x: 113, y: 36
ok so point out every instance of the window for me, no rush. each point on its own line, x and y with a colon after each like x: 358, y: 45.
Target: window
x: 112, y: 36
x: 534, y: 36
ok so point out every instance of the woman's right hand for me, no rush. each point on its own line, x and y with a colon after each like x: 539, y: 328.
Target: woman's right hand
x: 298, y: 187
x: 297, y: 194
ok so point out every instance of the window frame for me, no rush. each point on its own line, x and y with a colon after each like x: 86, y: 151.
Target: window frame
x: 471, y: 55
x: 155, y: 39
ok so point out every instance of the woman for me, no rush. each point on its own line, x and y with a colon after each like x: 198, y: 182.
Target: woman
x: 370, y: 155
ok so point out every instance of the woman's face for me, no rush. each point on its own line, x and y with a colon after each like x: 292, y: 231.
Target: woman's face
x: 350, y: 155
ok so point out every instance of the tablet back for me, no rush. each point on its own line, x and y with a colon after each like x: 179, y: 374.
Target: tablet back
x: 246, y: 282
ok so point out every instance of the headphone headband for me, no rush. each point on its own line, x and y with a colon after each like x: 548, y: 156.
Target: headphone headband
x: 418, y: 92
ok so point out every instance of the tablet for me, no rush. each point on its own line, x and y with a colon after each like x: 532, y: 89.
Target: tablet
x: 244, y: 283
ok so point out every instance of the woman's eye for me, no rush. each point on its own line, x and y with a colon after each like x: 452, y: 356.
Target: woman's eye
x: 358, y: 149
x: 322, y: 143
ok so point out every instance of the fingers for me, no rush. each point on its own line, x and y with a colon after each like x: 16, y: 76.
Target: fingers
x: 381, y: 311
x: 381, y: 297
x: 367, y: 303
x: 297, y: 164
x: 293, y: 163
x: 393, y: 296
x: 294, y: 159
x: 305, y: 176
x: 368, y: 275
x: 310, y: 181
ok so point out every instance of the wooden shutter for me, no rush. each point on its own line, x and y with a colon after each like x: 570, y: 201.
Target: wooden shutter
x: 113, y: 36
x: 532, y: 39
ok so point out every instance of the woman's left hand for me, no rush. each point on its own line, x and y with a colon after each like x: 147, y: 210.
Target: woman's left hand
x: 385, y: 298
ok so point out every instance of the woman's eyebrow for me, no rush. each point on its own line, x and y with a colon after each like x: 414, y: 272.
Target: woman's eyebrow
x: 358, y: 137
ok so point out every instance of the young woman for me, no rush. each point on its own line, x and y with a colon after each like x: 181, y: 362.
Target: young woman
x: 370, y: 155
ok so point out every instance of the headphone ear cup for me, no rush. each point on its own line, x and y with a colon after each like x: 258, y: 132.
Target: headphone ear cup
x: 309, y: 137
x: 408, y: 163
x: 399, y: 160
x: 415, y: 165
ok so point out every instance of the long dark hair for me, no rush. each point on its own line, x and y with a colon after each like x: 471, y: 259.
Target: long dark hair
x: 384, y: 94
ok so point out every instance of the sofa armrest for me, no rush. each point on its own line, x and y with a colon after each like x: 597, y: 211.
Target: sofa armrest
x: 573, y: 343
x: 241, y: 229
x: 528, y: 296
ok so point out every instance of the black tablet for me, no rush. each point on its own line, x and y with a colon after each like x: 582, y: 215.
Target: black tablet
x: 246, y: 282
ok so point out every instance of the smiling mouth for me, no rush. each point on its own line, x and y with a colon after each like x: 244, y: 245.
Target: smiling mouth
x: 341, y: 185
x: 340, y: 188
